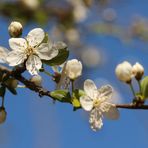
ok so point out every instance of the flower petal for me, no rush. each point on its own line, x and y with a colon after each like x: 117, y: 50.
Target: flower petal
x: 86, y: 103
x: 35, y: 37
x: 15, y: 57
x: 95, y: 120
x: 3, y: 54
x: 109, y: 110
x: 33, y: 64
x: 105, y: 93
x: 90, y: 88
x: 46, y: 53
x: 17, y: 44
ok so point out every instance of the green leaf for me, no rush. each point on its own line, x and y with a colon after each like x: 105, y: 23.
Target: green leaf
x: 60, y: 58
x: 61, y: 95
x: 76, y: 103
x: 144, y: 87
x: 75, y: 98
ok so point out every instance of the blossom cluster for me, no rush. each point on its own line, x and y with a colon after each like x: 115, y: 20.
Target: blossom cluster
x: 35, y: 50
x: 125, y: 71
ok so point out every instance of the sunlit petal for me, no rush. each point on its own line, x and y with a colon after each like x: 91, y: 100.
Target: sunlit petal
x: 90, y: 88
x: 3, y: 54
x: 105, y: 93
x: 15, y: 58
x: 109, y: 111
x: 33, y: 64
x: 86, y: 103
x: 46, y: 53
x: 18, y: 44
x: 35, y: 37
x: 95, y: 120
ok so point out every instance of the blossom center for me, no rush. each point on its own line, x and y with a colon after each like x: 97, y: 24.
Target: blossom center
x: 30, y: 50
x: 96, y: 103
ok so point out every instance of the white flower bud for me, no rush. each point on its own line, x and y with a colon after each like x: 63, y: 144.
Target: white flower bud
x: 37, y: 79
x: 124, y: 72
x: 3, y: 115
x: 138, y: 71
x: 15, y: 29
x: 73, y: 69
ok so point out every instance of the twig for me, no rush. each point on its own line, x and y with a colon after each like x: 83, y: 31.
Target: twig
x: 132, y: 106
x: 17, y: 74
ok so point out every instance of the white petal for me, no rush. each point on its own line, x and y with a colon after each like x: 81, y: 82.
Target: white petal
x: 86, y: 103
x: 105, y: 92
x: 109, y: 110
x: 46, y: 53
x: 17, y: 44
x: 15, y: 58
x: 35, y: 37
x: 3, y: 54
x: 33, y: 64
x: 95, y: 120
x: 90, y: 88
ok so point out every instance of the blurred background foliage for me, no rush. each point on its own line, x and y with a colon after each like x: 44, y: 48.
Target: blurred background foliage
x: 100, y: 33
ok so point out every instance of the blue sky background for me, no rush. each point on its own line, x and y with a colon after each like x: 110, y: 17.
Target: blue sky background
x: 34, y: 122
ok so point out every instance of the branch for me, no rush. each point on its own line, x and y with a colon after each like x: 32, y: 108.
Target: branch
x: 17, y: 74
x: 132, y: 106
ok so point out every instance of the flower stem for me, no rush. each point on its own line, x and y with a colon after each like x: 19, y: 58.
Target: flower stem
x: 132, y: 89
x: 139, y: 87
x: 72, y: 83
x: 3, y: 100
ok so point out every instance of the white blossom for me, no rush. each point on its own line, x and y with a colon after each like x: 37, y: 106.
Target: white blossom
x: 30, y: 49
x: 15, y: 29
x: 73, y: 69
x: 97, y: 102
x: 124, y: 72
x: 138, y: 70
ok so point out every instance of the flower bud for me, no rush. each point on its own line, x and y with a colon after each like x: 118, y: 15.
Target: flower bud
x: 15, y: 29
x: 3, y: 115
x: 73, y: 69
x: 138, y: 71
x: 37, y: 80
x: 124, y: 72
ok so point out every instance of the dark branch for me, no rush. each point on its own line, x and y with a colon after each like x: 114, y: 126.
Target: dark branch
x: 132, y: 106
x: 17, y: 74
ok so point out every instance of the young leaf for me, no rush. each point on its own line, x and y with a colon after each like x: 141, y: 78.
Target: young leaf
x: 144, y: 87
x: 61, y: 95
x: 75, y: 99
